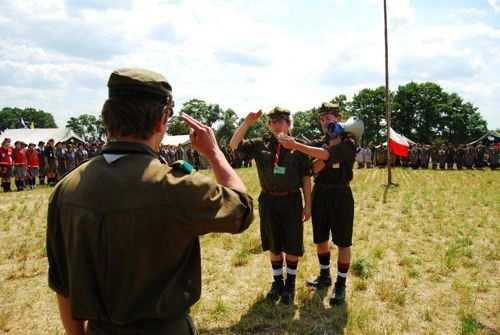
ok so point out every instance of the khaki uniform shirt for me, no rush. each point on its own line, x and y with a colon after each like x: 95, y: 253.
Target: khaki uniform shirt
x: 122, y: 235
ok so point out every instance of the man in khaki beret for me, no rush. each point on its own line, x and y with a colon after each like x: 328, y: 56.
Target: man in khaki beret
x: 123, y: 228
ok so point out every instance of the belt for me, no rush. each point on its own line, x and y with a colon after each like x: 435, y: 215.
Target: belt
x: 281, y: 193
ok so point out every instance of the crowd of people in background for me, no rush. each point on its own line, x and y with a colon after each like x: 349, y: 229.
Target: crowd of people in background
x: 444, y: 156
x: 49, y: 162
x: 172, y: 153
x: 235, y: 158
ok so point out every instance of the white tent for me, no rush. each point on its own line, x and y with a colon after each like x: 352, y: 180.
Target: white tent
x: 36, y: 135
x: 175, y: 140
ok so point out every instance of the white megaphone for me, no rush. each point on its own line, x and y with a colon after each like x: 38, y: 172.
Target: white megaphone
x: 354, y: 126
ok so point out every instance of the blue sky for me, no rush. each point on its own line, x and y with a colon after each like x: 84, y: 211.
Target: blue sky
x: 56, y: 55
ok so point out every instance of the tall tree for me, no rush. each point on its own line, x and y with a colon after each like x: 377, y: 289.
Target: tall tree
x: 209, y: 114
x: 86, y: 126
x: 306, y: 124
x: 176, y: 126
x: 427, y: 114
x: 345, y: 105
x: 368, y: 105
x: 227, y: 126
x: 202, y: 111
x: 10, y: 117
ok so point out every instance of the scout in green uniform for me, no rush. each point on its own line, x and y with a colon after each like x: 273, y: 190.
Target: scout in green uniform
x: 282, y: 173
x: 494, y: 156
x: 333, y: 203
x: 434, y: 156
x: 123, y: 228
x: 459, y: 156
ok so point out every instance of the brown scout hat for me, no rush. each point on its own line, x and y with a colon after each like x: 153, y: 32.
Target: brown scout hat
x: 141, y: 83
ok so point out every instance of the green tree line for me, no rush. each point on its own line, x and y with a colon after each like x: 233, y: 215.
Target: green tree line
x: 424, y: 112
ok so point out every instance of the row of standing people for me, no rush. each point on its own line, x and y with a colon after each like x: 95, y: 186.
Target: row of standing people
x: 442, y: 157
x: 172, y: 153
x: 48, y: 162
x: 236, y: 159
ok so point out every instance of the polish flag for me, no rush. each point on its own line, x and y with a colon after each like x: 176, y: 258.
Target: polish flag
x: 398, y: 144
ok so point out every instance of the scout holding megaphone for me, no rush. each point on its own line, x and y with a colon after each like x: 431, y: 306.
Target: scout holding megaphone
x: 332, y: 200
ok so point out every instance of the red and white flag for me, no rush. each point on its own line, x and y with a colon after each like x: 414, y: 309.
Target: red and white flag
x: 398, y: 144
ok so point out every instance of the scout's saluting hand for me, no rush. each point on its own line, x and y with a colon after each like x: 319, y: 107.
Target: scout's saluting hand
x: 202, y: 137
x: 203, y: 140
x: 252, y: 117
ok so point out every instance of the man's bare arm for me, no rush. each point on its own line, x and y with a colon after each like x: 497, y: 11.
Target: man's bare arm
x: 291, y: 144
x: 240, y: 133
x: 306, y: 191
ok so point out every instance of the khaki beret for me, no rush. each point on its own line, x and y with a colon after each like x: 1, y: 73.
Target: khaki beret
x: 139, y: 83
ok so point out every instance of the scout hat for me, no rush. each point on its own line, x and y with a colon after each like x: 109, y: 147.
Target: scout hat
x: 329, y: 108
x: 279, y: 113
x: 139, y: 83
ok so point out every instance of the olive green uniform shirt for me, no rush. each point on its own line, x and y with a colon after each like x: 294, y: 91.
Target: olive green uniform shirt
x: 122, y: 235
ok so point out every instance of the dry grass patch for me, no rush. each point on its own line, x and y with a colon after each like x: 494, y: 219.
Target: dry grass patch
x: 425, y: 262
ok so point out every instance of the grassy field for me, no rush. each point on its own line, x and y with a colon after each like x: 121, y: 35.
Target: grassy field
x: 425, y: 262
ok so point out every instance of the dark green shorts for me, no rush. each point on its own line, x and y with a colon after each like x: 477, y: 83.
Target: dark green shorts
x: 281, y: 228
x: 332, y: 211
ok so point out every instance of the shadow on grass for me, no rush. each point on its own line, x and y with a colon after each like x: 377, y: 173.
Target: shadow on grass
x: 264, y: 317
x: 386, y: 190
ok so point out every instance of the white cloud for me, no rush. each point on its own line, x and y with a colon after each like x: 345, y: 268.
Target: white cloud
x: 58, y: 55
x: 471, y: 12
x: 495, y: 4
x: 398, y: 11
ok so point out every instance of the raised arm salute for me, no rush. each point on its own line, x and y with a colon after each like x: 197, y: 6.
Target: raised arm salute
x: 282, y: 176
x: 240, y: 133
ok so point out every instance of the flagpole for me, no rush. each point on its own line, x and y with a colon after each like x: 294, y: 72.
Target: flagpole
x: 387, y: 102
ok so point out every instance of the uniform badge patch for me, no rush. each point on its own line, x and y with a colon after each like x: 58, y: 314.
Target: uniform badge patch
x: 182, y: 166
x: 279, y: 170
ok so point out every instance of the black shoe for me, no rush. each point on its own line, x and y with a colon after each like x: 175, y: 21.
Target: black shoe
x: 322, y: 281
x: 276, y: 290
x: 338, y: 295
x: 288, y: 295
